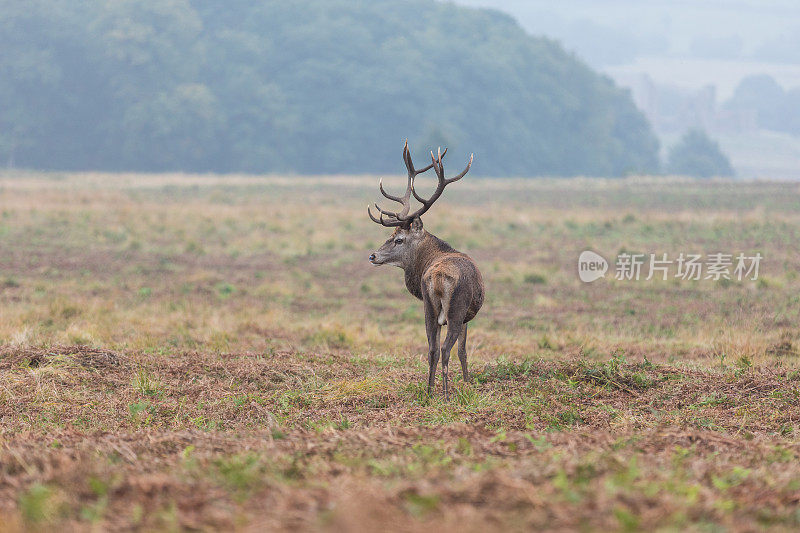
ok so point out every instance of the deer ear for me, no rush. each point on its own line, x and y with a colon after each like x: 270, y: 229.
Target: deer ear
x: 416, y: 224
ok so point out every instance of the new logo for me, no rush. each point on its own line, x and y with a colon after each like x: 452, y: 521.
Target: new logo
x: 591, y: 266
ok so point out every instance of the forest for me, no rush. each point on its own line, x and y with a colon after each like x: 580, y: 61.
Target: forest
x: 305, y: 87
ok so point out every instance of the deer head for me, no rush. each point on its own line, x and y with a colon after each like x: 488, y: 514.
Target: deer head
x: 401, y: 248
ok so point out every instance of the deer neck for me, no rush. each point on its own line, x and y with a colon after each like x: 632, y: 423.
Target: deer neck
x: 428, y: 251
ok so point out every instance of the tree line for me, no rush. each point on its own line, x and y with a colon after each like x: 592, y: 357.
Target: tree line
x: 309, y: 86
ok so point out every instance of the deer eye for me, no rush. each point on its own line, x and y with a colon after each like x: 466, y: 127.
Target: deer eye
x: 398, y: 240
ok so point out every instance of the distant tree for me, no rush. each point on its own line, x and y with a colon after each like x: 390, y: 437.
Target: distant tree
x: 698, y: 155
x: 762, y: 94
x: 791, y: 108
x: 175, y: 129
x: 41, y: 43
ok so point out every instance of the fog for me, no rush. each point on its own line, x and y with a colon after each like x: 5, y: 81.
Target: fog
x: 577, y: 88
x: 684, y: 62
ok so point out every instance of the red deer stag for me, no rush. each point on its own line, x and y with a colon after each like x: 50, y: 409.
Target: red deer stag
x: 447, y: 281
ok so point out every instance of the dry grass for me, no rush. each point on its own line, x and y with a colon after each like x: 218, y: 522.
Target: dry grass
x: 184, y: 352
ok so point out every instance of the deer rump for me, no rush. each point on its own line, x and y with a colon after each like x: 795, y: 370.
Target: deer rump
x: 448, y: 287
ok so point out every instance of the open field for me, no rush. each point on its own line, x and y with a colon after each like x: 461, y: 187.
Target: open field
x: 182, y: 352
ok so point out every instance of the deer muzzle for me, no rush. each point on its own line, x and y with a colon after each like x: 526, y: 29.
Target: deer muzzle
x: 377, y: 258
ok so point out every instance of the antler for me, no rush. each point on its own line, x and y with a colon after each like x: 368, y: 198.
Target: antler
x: 399, y: 218
x: 402, y: 218
x: 436, y: 163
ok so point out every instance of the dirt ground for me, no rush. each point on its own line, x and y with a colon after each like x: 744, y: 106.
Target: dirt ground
x: 181, y: 353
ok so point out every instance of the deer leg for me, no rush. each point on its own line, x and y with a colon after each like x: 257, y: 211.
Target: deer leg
x: 432, y: 328
x: 433, y: 356
x: 457, y: 311
x: 449, y: 341
x: 462, y: 352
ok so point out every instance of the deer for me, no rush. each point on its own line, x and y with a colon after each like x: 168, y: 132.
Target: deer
x: 447, y: 281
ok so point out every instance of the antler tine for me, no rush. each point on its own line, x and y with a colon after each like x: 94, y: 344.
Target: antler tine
x: 387, y: 223
x: 464, y: 172
x: 386, y: 194
x: 422, y: 170
x: 405, y: 200
x: 409, y: 166
x: 369, y: 212
x: 432, y: 165
x: 384, y: 212
x: 438, y: 167
x: 414, y: 172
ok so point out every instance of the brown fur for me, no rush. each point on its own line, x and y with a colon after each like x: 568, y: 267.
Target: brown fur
x: 446, y: 280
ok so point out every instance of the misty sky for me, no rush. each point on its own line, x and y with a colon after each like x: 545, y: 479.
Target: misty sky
x: 660, y: 27
x: 686, y: 43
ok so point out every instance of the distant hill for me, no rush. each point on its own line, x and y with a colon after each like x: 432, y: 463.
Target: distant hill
x: 309, y: 86
x: 616, y: 32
